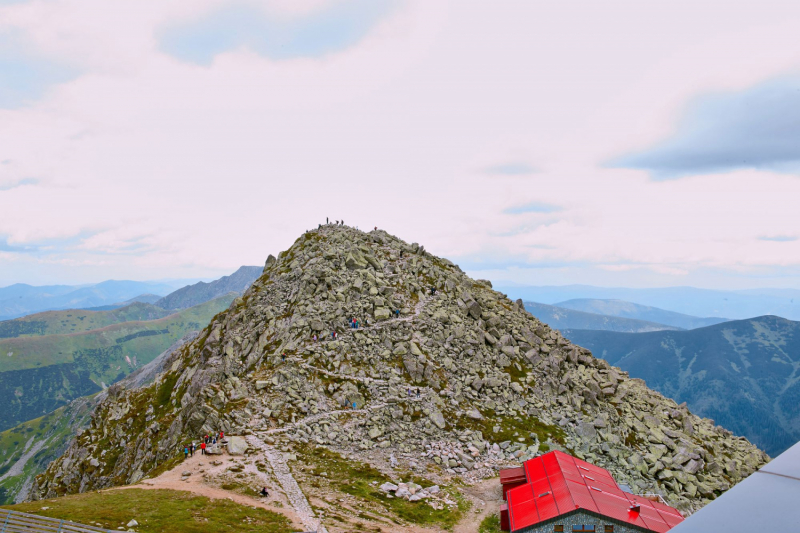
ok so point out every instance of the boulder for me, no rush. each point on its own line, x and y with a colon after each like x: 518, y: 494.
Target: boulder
x: 437, y: 418
x: 474, y: 414
x: 237, y: 445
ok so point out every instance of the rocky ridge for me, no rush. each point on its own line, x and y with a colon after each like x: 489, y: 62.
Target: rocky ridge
x: 457, y: 384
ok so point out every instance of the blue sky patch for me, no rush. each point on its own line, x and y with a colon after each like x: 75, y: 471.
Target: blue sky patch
x: 756, y: 128
x: 779, y: 238
x: 532, y: 207
x: 26, y: 76
x: 330, y: 30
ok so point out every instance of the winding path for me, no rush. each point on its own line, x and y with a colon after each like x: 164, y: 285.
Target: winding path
x: 290, y: 487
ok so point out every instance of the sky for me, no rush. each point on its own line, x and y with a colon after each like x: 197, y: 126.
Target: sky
x: 617, y: 143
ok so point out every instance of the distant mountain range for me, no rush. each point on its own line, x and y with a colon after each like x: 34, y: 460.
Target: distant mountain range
x: 687, y: 300
x: 563, y: 318
x: 745, y: 374
x: 192, y: 295
x: 621, y: 308
x: 54, y: 357
x: 27, y: 449
x: 21, y: 299
x: 61, y: 355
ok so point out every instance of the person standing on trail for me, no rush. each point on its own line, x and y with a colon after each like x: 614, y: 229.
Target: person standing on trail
x: 221, y: 435
x: 191, y: 449
x: 186, y: 452
x: 283, y: 357
x: 358, y: 324
x: 417, y: 392
x: 202, y: 448
x: 265, y: 492
x: 354, y: 406
x: 397, y: 313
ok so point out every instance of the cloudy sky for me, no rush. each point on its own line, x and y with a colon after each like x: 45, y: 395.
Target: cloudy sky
x: 537, y: 142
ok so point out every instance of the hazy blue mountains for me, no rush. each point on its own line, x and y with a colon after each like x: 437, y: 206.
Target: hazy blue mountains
x: 692, y: 301
x: 200, y: 292
x: 621, y: 308
x: 745, y: 374
x: 21, y: 299
x: 563, y: 318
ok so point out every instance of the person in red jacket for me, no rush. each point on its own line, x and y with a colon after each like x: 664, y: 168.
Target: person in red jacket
x: 203, y: 448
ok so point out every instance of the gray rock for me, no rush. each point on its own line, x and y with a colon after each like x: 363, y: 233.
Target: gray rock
x: 437, y: 418
x: 474, y: 414
x: 237, y: 445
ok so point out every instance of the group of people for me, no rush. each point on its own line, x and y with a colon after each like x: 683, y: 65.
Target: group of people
x: 189, y: 449
x: 355, y: 324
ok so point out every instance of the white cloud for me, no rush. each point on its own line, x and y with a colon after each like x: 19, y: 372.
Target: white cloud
x: 154, y: 167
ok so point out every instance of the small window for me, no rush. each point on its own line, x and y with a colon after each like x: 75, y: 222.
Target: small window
x: 558, y: 528
x: 585, y: 528
x: 609, y: 529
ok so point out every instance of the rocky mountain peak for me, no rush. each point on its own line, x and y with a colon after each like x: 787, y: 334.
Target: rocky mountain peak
x: 444, y: 377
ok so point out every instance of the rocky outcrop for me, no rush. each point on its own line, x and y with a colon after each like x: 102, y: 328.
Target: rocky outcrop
x: 454, y: 373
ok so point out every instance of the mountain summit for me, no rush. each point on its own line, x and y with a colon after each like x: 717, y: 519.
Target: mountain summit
x: 445, y: 380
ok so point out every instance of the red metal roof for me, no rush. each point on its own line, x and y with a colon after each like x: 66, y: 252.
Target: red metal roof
x: 559, y: 483
x: 512, y: 475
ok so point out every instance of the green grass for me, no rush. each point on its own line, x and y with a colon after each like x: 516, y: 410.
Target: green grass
x: 159, y: 511
x: 54, y: 427
x: 490, y: 524
x: 77, y: 320
x: 355, y: 479
x: 38, y: 351
x: 510, y: 425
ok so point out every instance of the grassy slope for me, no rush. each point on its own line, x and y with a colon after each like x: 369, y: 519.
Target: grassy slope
x: 56, y: 429
x: 159, y: 511
x: 743, y: 374
x: 46, y: 372
x: 37, y: 351
x: 77, y: 320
